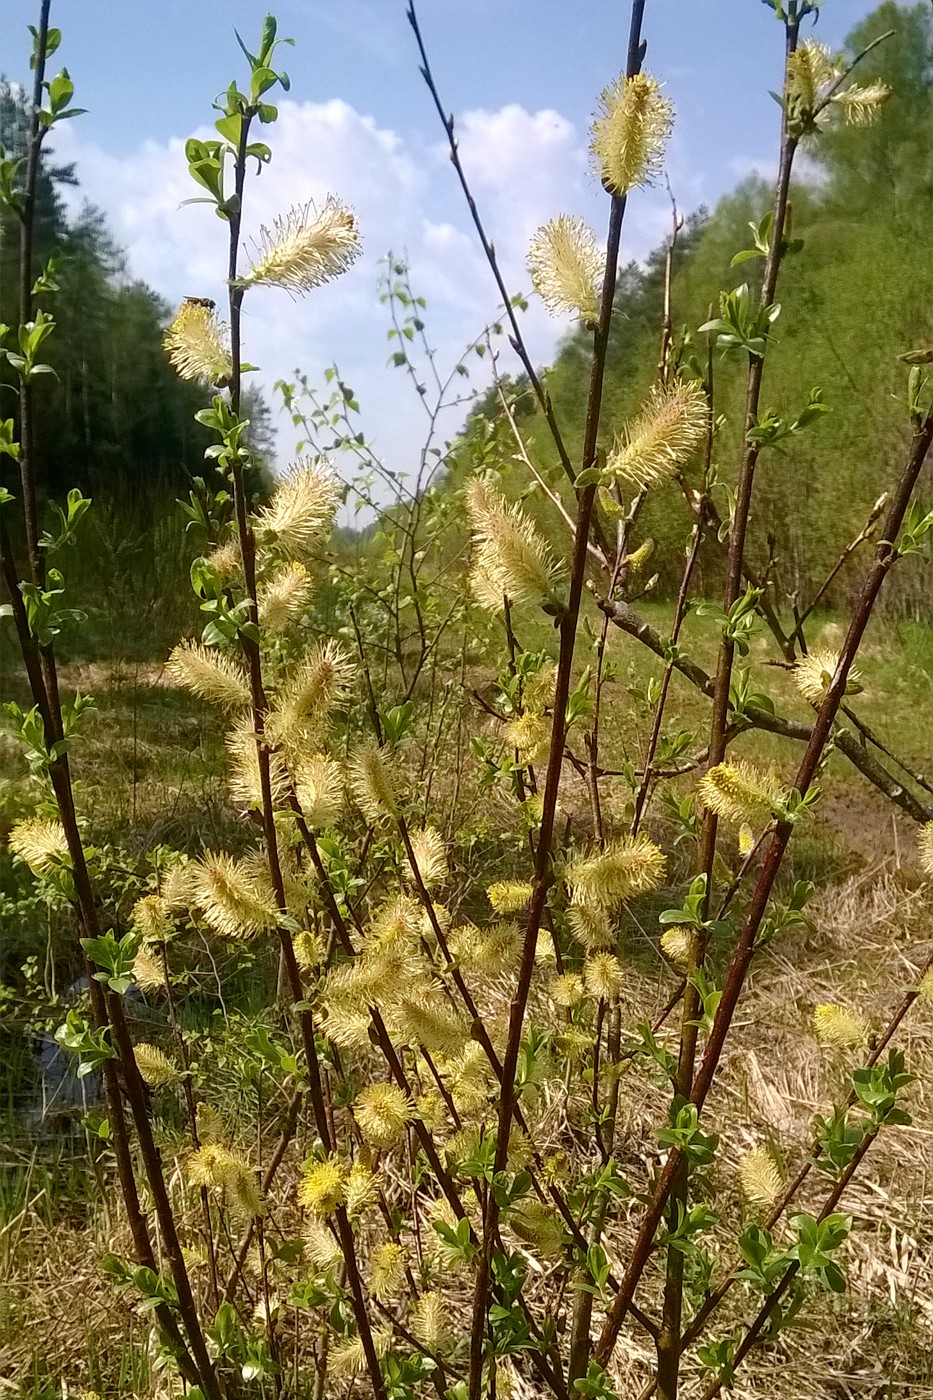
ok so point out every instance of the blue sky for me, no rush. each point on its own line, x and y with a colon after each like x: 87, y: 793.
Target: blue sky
x: 523, y: 77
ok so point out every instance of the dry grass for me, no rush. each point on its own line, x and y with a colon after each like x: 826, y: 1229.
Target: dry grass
x: 152, y: 771
x: 872, y: 933
x: 872, y: 936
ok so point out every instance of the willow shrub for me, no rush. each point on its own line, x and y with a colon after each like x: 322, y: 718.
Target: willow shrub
x: 404, y: 1172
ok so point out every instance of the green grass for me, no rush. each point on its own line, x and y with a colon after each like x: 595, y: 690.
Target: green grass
x: 896, y: 666
x: 149, y: 768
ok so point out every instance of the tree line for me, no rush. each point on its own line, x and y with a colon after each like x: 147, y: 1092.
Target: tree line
x: 861, y: 297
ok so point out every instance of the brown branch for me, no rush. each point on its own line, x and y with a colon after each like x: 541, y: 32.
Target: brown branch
x: 258, y: 707
x: 745, y: 946
x: 516, y: 338
x: 777, y: 1293
x: 542, y: 874
x: 35, y: 133
x: 919, y: 810
x: 790, y: 1191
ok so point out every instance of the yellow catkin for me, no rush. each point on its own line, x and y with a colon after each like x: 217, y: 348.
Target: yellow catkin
x: 197, y: 344
x: 347, y: 1358
x: 323, y: 1186
x: 40, y: 844
x: 760, y: 1178
x: 372, y: 782
x: 630, y: 132
x: 664, y: 436
x: 566, y: 267
x: 306, y: 248
x: 314, y: 688
x: 284, y: 597
x: 677, y: 944
x: 574, y: 1043
x: 219, y: 1169
x: 230, y: 897
x: 509, y: 896
x: 813, y: 674
x: 530, y: 736
x: 244, y: 778
x: 509, y: 556
x: 300, y: 511
x: 362, y: 1189
x: 387, y: 1270
x: 469, y: 1076
x: 566, y: 989
x: 309, y: 951
x: 834, y: 1025
x: 320, y: 1246
x: 319, y: 789
x: 540, y: 1226
x: 538, y: 695
x: 925, y: 848
x: 210, y: 675
x: 429, y: 1020
x: 209, y: 1123
x: 603, y: 977
x: 430, y: 1321
x: 177, y: 886
x: 861, y: 103
x: 591, y: 926
x: 491, y: 951
x: 397, y: 922
x: 226, y: 559
x: 624, y: 868
x: 382, y: 1112
x: 154, y: 1065
x: 148, y: 970
x: 152, y: 915
x: 739, y: 792
x: 810, y: 69
x: 430, y: 858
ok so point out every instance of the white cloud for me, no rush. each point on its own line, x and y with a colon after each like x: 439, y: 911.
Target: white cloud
x: 743, y: 166
x: 524, y: 168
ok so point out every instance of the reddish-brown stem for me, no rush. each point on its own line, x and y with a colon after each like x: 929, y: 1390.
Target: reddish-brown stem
x: 745, y: 947
x: 777, y: 1293
x: 192, y: 1110
x: 669, y: 1348
x: 275, y: 1161
x: 251, y: 651
x: 106, y: 1008
x: 35, y: 131
x: 59, y: 777
x: 517, y: 340
x: 916, y: 807
x: 790, y: 1191
x: 542, y: 874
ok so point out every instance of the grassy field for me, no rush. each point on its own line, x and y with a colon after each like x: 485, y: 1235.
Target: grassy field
x: 151, y: 772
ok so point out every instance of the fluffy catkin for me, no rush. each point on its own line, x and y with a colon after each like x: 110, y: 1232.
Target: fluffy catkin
x: 41, y: 844
x: 739, y: 792
x: 198, y: 345
x: 510, y: 558
x: 663, y: 437
x: 566, y: 267
x: 630, y: 132
x: 210, y: 675
x: 299, y: 512
x: 760, y: 1177
x: 306, y: 248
